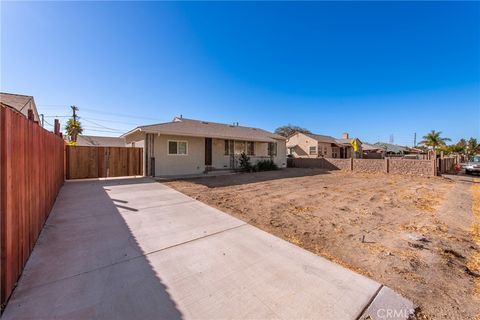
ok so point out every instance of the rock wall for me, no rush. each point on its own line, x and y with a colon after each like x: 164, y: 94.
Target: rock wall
x: 321, y: 163
x: 412, y: 166
x: 369, y: 165
x: 387, y: 165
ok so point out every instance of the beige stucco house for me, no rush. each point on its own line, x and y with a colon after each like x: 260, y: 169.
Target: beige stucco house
x: 20, y: 103
x: 99, y: 141
x: 305, y: 145
x: 185, y: 146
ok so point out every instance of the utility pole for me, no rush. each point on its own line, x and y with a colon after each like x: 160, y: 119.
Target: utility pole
x: 74, y: 110
x: 415, y: 140
x: 75, y: 125
x: 43, y: 120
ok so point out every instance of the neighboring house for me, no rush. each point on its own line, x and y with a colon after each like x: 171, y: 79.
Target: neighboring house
x: 19, y: 103
x: 97, y: 141
x: 371, y: 151
x: 391, y: 148
x: 186, y: 146
x: 303, y: 145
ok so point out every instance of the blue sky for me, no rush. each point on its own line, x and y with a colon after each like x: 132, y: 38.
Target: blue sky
x: 372, y: 69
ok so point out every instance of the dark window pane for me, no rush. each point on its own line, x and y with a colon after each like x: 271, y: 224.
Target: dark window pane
x: 272, y: 148
x: 172, y: 147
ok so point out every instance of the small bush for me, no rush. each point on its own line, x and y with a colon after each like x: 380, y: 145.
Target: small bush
x: 265, y: 165
x: 244, y: 162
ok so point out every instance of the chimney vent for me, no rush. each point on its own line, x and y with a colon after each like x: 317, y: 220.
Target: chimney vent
x: 345, y: 135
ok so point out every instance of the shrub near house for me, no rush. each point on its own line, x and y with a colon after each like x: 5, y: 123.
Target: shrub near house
x: 261, y: 165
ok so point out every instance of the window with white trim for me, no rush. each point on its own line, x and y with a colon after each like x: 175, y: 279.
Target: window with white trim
x: 272, y: 149
x: 313, y: 150
x: 239, y: 147
x: 250, y: 148
x: 177, y: 147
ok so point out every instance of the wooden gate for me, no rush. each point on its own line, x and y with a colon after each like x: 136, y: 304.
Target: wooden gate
x: 102, y: 162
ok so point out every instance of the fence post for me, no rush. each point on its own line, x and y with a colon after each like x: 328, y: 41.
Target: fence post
x: 387, y: 165
x: 56, y: 127
x: 351, y: 164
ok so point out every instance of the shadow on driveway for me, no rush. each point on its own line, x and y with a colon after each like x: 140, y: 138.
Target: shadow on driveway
x: 88, y: 264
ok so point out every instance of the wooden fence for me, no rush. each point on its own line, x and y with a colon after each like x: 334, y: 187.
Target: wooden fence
x: 447, y: 164
x: 31, y: 174
x: 101, y: 162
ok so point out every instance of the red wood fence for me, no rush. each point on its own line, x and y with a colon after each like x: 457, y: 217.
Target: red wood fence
x: 31, y: 174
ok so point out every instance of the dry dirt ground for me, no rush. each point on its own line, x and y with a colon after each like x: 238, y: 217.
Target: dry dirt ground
x: 417, y: 235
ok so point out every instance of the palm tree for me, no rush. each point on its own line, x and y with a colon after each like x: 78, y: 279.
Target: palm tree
x: 434, y: 140
x: 73, y: 128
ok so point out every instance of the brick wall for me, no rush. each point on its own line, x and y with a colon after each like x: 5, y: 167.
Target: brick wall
x: 387, y: 165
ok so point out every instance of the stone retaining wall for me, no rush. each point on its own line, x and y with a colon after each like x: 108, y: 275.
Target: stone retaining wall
x: 320, y: 163
x: 369, y: 165
x: 412, y: 166
x: 387, y: 165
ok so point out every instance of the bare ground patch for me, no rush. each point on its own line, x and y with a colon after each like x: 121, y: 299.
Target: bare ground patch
x: 413, y: 234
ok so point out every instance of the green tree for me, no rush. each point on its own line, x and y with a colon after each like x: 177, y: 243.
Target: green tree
x: 289, y: 130
x: 459, y: 147
x: 472, y: 147
x: 434, y: 140
x: 73, y: 128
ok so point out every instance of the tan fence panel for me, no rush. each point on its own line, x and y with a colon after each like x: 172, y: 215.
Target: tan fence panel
x: 82, y: 162
x: 102, y: 162
x: 31, y: 174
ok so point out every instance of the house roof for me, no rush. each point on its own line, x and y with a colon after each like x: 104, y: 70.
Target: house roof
x: 98, y: 141
x: 321, y: 138
x: 329, y: 139
x: 19, y: 102
x: 347, y: 142
x: 197, y: 128
x: 388, y: 147
x: 370, y: 147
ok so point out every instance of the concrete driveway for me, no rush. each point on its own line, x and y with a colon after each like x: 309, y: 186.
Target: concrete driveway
x: 136, y: 249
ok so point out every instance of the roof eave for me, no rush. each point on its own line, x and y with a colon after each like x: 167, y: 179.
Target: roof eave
x: 130, y: 132
x: 186, y: 134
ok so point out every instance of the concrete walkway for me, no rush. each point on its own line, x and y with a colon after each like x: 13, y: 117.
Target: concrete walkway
x: 136, y: 249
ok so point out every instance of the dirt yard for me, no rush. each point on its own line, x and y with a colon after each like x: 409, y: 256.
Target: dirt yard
x: 414, y: 234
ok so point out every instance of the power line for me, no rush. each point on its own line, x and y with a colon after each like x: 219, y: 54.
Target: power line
x: 97, y: 119
x: 98, y: 124
x: 113, y: 121
x: 106, y: 112
x: 96, y: 130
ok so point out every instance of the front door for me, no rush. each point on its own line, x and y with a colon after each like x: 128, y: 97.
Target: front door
x: 208, y: 151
